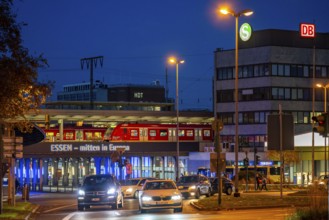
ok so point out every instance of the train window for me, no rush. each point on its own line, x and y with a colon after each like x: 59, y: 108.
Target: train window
x: 69, y: 135
x: 98, y: 135
x: 79, y: 135
x: 206, y: 133
x: 163, y: 133
x: 181, y: 133
x: 134, y: 133
x: 153, y: 133
x: 189, y: 133
x: 50, y: 134
x: 89, y: 135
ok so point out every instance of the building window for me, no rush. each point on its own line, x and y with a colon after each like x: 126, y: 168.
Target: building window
x: 138, y: 95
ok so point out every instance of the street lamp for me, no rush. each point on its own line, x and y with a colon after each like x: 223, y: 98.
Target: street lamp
x: 246, y: 12
x: 325, y: 135
x: 176, y: 61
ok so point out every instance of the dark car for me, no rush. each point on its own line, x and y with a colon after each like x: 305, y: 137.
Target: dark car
x: 227, y: 186
x: 98, y: 190
x: 194, y: 185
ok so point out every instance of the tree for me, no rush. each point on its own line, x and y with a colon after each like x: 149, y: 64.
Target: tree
x: 20, y: 92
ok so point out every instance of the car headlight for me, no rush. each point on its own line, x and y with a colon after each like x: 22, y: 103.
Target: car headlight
x: 146, y: 198
x: 81, y: 192
x: 129, y: 190
x: 111, y: 191
x: 176, y: 197
x: 192, y: 187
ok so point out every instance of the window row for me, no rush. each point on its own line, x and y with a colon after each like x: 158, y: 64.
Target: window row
x: 270, y: 93
x: 260, y: 117
x: 285, y: 70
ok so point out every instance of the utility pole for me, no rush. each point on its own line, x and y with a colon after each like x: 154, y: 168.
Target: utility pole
x: 90, y: 62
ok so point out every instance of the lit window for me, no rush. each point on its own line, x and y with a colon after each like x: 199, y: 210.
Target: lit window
x: 134, y: 133
x: 163, y: 133
x: 69, y: 136
x: 153, y: 133
x: 189, y: 133
x: 206, y: 133
x: 138, y: 95
x: 89, y: 135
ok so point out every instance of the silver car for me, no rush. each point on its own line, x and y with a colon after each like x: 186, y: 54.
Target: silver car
x: 160, y: 194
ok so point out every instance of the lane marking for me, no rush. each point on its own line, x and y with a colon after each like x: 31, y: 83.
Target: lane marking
x: 61, y: 207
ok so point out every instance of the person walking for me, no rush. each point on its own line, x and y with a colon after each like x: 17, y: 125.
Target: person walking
x: 264, y: 181
x: 258, y: 181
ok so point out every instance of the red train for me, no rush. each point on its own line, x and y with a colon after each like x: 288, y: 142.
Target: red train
x: 128, y: 132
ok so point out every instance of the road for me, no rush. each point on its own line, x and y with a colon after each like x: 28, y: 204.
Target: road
x: 57, y: 206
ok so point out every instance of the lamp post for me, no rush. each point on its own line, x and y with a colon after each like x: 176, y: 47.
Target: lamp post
x: 245, y: 12
x: 325, y: 111
x: 176, y: 61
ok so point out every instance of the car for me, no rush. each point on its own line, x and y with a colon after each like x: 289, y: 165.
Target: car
x: 160, y: 194
x: 131, y: 187
x: 227, y: 186
x: 97, y: 190
x: 194, y: 185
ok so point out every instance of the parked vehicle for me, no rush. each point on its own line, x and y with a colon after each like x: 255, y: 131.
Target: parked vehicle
x: 100, y: 190
x: 160, y: 194
x: 227, y: 186
x: 131, y: 187
x: 194, y: 185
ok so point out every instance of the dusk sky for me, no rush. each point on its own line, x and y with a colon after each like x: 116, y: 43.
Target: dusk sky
x: 137, y: 36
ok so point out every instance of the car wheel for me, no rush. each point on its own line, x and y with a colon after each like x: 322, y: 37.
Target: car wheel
x: 81, y: 207
x: 197, y: 194
x: 229, y: 191
x: 115, y: 205
x: 121, y: 202
x: 178, y: 210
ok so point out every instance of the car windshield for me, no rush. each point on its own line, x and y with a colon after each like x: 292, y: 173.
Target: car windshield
x: 98, y: 180
x: 131, y: 182
x: 188, y: 179
x: 159, y: 185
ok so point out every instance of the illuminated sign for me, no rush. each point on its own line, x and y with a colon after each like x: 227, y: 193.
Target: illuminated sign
x: 245, y: 32
x: 307, y: 30
x: 87, y: 147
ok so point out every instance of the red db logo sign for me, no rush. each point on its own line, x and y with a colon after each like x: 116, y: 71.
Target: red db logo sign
x: 307, y: 30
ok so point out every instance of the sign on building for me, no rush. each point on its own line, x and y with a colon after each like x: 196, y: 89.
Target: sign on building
x: 307, y: 30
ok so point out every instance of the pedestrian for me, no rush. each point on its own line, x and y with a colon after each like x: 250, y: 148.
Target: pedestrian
x: 264, y: 180
x: 258, y: 181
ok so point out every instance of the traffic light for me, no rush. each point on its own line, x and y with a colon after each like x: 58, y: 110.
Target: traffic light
x: 257, y: 159
x: 322, y: 124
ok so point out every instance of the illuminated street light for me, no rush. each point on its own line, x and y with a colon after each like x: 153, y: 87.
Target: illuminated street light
x: 246, y: 12
x: 325, y: 135
x: 176, y: 61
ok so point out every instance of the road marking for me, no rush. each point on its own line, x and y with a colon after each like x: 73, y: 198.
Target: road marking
x: 69, y: 216
x: 61, y: 207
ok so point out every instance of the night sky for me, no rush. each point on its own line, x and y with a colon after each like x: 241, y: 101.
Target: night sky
x: 137, y: 36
